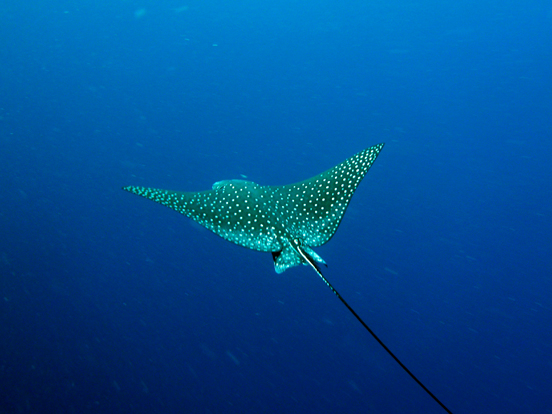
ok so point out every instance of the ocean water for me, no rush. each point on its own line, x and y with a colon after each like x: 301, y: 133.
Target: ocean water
x: 112, y: 304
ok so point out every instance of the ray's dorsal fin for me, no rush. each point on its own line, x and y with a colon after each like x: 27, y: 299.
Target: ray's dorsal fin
x: 223, y: 183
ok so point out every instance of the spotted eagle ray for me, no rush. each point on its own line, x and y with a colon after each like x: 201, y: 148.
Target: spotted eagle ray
x: 287, y: 221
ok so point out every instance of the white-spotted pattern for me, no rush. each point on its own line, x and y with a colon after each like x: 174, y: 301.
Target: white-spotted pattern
x: 266, y: 218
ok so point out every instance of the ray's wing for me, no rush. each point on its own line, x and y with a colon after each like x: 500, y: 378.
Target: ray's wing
x: 263, y: 218
x: 313, y: 209
x: 234, y: 210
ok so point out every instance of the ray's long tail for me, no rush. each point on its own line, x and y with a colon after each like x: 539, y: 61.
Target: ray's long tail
x: 420, y: 383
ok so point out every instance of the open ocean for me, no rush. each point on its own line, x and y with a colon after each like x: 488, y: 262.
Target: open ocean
x: 110, y: 303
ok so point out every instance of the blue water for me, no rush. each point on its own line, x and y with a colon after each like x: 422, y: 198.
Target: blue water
x: 112, y: 304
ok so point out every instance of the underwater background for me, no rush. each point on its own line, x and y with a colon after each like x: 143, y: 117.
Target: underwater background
x: 111, y: 303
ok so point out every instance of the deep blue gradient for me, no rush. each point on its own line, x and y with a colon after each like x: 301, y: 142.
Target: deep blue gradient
x: 111, y: 303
